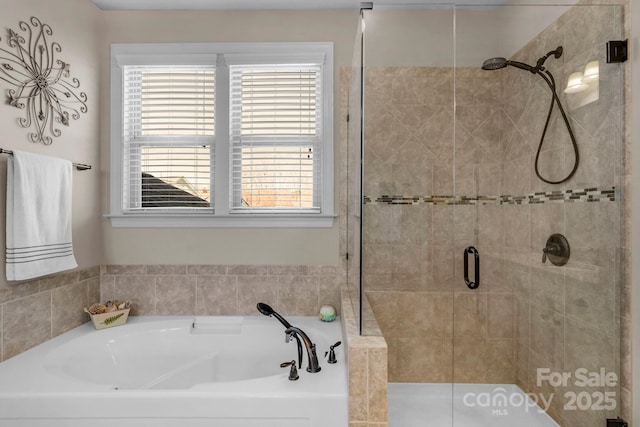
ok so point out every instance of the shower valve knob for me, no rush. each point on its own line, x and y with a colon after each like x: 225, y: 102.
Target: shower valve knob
x: 552, y: 249
x: 556, y: 250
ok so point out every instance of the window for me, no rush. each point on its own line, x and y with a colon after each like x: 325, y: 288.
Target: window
x: 275, y: 137
x: 222, y: 135
x: 169, y: 136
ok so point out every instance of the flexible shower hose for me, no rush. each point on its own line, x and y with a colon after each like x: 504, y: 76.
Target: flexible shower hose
x: 552, y: 85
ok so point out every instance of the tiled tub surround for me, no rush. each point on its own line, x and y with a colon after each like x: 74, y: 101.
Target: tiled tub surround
x: 368, y: 366
x: 525, y: 315
x: 35, y: 311
x: 298, y: 290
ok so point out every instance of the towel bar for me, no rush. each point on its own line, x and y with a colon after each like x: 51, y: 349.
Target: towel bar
x: 79, y: 166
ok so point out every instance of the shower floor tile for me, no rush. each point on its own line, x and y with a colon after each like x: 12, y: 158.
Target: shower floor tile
x: 473, y: 405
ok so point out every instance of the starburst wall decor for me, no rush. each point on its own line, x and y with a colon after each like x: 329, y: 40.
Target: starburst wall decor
x: 43, y: 86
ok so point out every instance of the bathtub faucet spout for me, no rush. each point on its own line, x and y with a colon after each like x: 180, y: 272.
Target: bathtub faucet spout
x: 313, y: 365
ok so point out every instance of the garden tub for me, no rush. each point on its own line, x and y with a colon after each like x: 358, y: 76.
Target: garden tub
x: 176, y: 371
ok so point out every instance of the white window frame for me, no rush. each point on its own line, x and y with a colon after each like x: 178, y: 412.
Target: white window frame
x: 218, y: 54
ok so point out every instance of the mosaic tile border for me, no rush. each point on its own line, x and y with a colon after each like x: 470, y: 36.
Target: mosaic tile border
x: 570, y: 196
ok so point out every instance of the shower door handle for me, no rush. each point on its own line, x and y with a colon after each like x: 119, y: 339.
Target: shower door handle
x: 476, y: 260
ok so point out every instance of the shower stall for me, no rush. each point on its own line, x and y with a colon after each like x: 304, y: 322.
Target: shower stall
x: 484, y: 149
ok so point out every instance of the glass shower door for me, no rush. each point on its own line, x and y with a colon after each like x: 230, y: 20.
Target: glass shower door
x: 408, y: 236
x: 542, y: 329
x: 452, y: 173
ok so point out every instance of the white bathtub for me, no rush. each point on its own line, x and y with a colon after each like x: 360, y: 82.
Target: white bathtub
x: 160, y: 371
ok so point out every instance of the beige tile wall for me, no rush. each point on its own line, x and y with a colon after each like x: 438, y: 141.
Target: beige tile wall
x: 412, y: 268
x: 569, y: 317
x: 221, y: 289
x: 32, y: 312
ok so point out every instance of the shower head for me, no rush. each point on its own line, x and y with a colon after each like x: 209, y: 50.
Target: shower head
x: 265, y: 309
x: 498, y: 63
x: 268, y: 311
x: 494, y: 63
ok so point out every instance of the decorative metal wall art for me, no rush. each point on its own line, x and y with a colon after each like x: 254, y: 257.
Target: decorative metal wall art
x: 43, y: 86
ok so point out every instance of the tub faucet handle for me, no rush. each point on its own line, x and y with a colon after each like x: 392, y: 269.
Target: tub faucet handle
x: 332, y: 353
x: 293, y: 372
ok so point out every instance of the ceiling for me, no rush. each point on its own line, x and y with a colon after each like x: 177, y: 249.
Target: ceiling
x: 278, y: 4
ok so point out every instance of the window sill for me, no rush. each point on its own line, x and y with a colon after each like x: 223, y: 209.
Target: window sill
x: 227, y: 221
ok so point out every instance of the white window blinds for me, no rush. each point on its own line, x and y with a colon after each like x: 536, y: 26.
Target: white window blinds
x: 169, y: 135
x: 276, y: 137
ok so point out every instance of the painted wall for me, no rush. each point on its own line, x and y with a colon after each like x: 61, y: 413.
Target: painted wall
x: 75, y: 26
x: 35, y: 311
x: 520, y: 23
x: 210, y: 245
x: 427, y: 37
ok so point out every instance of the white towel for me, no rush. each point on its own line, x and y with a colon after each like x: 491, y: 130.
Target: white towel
x: 39, y: 192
